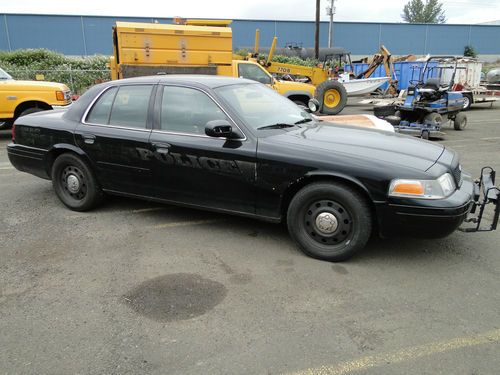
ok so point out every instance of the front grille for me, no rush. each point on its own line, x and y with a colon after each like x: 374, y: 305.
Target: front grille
x: 457, y: 174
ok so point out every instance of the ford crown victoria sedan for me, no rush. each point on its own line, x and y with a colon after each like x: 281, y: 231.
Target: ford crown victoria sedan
x: 235, y: 146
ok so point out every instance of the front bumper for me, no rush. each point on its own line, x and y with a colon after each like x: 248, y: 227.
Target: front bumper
x: 439, y: 218
x: 64, y: 106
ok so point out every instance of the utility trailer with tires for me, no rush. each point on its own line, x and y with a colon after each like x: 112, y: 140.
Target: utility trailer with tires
x: 466, y: 80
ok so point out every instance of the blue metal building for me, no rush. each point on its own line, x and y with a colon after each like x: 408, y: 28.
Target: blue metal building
x: 89, y: 35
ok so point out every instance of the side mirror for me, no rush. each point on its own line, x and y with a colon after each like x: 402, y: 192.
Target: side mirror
x: 313, y: 105
x: 219, y: 128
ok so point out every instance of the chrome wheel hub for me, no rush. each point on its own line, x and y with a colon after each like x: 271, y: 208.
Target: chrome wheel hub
x: 73, y: 183
x: 326, y: 222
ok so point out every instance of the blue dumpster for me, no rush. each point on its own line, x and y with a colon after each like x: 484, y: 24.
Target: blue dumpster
x: 404, y: 70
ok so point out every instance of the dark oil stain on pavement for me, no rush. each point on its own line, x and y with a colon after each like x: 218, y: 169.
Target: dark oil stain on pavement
x: 175, y: 297
x: 340, y: 269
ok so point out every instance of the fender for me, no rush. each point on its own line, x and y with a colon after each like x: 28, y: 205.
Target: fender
x: 355, y: 181
x: 58, y: 149
x: 297, y: 92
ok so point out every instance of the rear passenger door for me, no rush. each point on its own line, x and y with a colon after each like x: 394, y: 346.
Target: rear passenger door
x: 115, y: 132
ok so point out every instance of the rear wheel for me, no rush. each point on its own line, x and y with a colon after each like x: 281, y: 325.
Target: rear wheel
x: 332, y: 96
x: 460, y: 121
x: 329, y: 221
x: 467, y: 101
x: 74, y: 183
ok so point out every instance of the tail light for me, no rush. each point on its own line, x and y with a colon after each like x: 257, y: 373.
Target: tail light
x: 13, y: 132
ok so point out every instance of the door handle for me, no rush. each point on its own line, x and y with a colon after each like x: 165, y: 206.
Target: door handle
x: 161, y: 148
x: 88, y: 138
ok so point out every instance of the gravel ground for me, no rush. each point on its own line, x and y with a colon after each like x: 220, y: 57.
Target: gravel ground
x: 140, y: 288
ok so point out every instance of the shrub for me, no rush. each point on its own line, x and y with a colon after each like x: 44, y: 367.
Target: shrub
x: 78, y: 73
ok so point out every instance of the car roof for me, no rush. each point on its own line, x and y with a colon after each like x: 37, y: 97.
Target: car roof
x: 211, y: 81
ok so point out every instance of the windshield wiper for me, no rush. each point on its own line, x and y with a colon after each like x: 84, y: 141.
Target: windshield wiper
x: 303, y: 121
x: 278, y: 126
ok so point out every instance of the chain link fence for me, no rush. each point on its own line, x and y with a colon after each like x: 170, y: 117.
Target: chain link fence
x: 77, y: 80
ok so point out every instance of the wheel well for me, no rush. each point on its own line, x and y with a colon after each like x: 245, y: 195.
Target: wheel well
x: 55, y: 153
x: 300, y: 98
x: 30, y: 104
x: 294, y: 188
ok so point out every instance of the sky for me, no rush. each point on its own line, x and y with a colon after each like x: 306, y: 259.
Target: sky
x: 457, y: 11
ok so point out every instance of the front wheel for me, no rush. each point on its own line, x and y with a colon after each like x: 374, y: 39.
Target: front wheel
x: 329, y: 221
x: 74, y: 183
x: 460, y: 121
x: 332, y: 96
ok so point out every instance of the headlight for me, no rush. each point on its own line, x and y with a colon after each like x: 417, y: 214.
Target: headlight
x: 63, y: 95
x: 443, y: 187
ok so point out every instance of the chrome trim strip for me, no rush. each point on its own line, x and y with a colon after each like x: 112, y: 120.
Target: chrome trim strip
x: 85, y: 114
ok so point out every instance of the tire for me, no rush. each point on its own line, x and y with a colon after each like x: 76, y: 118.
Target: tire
x: 460, y: 121
x: 384, y: 110
x: 468, y: 102
x: 70, y: 172
x: 338, y: 203
x: 332, y: 97
x: 300, y: 103
x: 434, y: 118
x: 425, y: 135
x: 31, y: 110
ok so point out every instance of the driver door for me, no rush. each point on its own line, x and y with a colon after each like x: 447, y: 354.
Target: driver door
x: 193, y: 168
x: 254, y: 72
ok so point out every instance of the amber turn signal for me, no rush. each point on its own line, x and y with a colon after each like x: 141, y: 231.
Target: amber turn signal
x: 408, y: 188
x: 60, y: 96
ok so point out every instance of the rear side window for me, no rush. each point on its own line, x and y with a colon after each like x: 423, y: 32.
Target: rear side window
x: 99, y: 114
x: 125, y: 106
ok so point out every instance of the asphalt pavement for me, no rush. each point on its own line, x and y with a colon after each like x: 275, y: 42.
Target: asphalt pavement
x: 135, y: 287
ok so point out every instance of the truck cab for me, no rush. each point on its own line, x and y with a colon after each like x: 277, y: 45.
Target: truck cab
x: 298, y: 92
x: 19, y: 98
x: 192, y: 47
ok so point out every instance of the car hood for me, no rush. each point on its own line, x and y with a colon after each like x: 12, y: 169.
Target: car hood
x: 36, y: 85
x: 386, y: 147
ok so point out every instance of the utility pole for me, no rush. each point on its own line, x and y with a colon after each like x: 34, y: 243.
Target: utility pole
x: 330, y: 11
x: 316, y: 34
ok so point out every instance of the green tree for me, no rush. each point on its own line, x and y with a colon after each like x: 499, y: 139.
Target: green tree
x: 469, y: 51
x: 418, y: 11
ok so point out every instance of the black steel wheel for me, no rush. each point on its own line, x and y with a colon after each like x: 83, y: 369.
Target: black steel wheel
x: 329, y: 221
x: 74, y: 183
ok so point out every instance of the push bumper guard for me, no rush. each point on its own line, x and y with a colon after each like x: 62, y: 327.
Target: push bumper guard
x: 485, y: 193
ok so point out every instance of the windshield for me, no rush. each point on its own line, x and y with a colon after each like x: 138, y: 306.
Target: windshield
x: 4, y: 75
x: 261, y: 107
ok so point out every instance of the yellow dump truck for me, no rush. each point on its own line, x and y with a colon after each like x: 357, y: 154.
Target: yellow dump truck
x: 192, y: 47
x: 18, y: 98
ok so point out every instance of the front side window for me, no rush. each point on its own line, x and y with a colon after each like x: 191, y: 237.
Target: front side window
x: 253, y: 72
x: 4, y: 75
x: 187, y: 110
x: 124, y: 106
